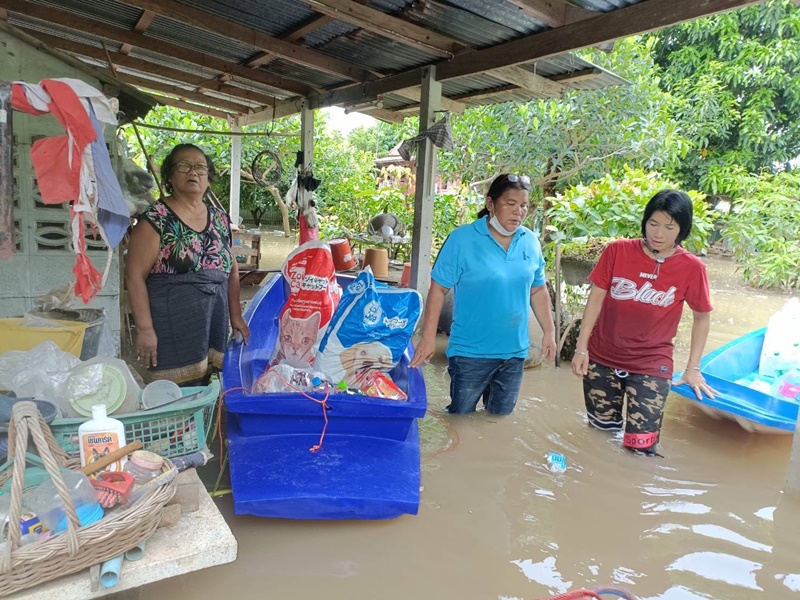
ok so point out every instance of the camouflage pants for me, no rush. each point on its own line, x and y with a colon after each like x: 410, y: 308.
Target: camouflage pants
x: 605, y: 390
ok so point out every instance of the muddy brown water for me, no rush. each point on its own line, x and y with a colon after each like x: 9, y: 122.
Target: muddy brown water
x: 708, y: 520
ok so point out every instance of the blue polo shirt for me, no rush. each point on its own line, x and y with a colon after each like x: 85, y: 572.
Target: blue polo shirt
x: 491, y: 290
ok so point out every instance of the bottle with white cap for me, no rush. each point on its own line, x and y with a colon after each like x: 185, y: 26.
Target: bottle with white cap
x: 99, y: 436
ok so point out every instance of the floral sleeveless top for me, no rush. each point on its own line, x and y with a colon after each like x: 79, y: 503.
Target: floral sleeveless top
x: 184, y: 250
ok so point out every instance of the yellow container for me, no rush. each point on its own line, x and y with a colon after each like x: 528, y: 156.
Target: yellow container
x: 68, y: 336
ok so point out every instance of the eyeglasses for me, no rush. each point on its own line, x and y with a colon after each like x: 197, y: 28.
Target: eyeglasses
x: 185, y: 167
x: 523, y: 180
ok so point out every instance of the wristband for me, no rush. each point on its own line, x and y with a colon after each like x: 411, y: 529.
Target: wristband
x: 581, y: 352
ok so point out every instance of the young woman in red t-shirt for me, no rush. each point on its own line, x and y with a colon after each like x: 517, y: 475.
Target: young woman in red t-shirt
x: 624, y: 350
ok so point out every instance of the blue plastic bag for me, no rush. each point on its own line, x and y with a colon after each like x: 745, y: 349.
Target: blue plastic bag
x: 369, y: 331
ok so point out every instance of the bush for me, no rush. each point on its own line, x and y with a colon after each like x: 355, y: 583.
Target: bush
x: 764, y: 231
x: 613, y: 208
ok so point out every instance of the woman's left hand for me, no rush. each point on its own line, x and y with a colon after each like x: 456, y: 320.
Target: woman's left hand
x: 239, y: 326
x: 695, y: 380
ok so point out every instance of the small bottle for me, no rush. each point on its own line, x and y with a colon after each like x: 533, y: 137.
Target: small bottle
x: 144, y: 466
x: 100, y: 436
x: 557, y: 462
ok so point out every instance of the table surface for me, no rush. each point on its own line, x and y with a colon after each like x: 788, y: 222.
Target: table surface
x: 199, y: 540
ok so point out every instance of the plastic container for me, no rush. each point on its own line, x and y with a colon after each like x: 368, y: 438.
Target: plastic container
x: 159, y: 393
x: 172, y: 430
x: 144, y: 466
x: 45, y: 502
x: 68, y: 336
x: 788, y: 385
x: 94, y: 318
x: 100, y: 436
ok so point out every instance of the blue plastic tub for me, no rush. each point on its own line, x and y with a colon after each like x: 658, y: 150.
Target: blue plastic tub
x: 293, y: 413
x: 350, y: 477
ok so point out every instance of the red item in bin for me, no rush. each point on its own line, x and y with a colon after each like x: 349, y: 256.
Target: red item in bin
x: 381, y: 385
x: 112, y: 487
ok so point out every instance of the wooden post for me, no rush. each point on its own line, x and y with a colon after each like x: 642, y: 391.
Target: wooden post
x: 236, y: 170
x: 6, y: 173
x: 306, y: 147
x: 425, y: 192
x: 558, y: 305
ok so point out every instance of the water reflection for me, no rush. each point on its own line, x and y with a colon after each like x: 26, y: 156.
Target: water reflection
x: 719, y: 567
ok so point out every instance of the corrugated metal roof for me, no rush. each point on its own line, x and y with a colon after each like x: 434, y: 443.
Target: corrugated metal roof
x: 476, y: 24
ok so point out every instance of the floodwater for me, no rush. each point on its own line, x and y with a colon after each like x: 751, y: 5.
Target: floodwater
x: 708, y: 520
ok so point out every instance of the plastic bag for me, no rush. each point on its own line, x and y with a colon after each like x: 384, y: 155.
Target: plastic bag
x: 41, y: 372
x: 369, y: 330
x: 285, y: 378
x: 313, y: 297
x: 781, y: 350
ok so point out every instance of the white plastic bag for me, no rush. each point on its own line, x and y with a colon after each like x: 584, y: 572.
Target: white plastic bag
x: 781, y: 350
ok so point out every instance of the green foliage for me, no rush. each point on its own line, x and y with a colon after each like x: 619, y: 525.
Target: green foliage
x: 764, y: 230
x: 736, y: 90
x: 613, y: 208
x: 376, y: 141
x: 574, y: 139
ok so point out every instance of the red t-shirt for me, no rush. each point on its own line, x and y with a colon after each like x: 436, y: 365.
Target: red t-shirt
x: 643, y: 306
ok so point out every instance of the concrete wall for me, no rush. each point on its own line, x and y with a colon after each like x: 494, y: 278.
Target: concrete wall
x: 44, y: 258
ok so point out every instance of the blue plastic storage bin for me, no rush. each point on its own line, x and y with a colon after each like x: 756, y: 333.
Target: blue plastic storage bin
x: 369, y: 463
x: 290, y: 413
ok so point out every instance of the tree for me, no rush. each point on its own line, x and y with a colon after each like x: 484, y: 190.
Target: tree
x: 377, y: 140
x: 559, y: 142
x: 736, y: 90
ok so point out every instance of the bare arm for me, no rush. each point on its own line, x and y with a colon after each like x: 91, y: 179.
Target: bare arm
x: 433, y: 308
x: 234, y: 305
x: 142, y: 254
x: 580, y: 362
x: 701, y: 324
x: 540, y: 303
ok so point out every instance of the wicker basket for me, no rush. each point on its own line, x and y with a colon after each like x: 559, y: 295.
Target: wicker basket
x: 79, y: 547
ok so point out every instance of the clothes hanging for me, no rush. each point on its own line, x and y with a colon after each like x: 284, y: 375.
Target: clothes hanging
x: 439, y: 133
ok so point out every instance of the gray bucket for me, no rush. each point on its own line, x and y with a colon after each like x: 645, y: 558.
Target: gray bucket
x: 94, y: 319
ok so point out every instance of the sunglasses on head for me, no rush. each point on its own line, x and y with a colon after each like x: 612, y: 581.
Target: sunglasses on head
x: 523, y: 180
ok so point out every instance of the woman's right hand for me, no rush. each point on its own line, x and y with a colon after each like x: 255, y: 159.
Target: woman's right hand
x: 146, y: 347
x: 423, y: 352
x: 580, y: 364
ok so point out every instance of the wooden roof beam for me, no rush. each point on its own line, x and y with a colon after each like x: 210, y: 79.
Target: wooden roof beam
x: 205, y: 110
x: 122, y: 36
x: 554, y: 13
x: 446, y: 103
x: 129, y: 62
x: 293, y: 36
x: 183, y: 94
x: 576, y: 76
x: 247, y: 35
x: 632, y: 20
x: 389, y: 26
x: 521, y: 77
x: 145, y: 19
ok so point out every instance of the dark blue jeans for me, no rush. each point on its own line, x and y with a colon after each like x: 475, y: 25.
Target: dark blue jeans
x: 497, y: 380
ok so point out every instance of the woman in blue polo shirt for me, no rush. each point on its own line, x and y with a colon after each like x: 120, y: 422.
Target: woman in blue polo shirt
x: 496, y: 271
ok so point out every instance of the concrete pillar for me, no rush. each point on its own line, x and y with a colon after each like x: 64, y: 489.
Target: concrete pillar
x: 306, y: 146
x: 236, y: 167
x: 426, y: 185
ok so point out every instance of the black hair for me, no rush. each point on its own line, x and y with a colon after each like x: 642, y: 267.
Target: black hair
x: 500, y: 184
x: 169, y: 164
x: 677, y: 205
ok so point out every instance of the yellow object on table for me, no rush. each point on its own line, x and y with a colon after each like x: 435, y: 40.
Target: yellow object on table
x: 15, y: 336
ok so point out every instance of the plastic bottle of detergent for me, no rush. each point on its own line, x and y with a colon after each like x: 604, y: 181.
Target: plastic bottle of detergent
x: 100, y: 436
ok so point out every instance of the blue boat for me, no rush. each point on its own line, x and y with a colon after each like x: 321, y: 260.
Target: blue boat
x: 369, y: 464
x: 731, y: 370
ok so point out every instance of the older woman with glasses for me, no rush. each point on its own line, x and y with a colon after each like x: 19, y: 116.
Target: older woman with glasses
x: 496, y: 271
x: 182, y: 277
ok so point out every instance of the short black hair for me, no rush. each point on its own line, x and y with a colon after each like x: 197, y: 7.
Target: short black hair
x: 500, y: 184
x: 677, y: 205
x: 169, y: 164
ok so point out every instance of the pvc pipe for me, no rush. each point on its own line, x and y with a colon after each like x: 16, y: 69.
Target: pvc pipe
x: 110, y: 570
x: 135, y: 553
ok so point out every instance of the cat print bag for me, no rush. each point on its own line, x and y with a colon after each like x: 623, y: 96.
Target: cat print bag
x: 313, y: 297
x: 369, y: 331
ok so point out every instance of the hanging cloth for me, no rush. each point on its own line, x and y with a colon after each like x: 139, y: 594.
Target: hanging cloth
x: 76, y: 168
x: 439, y: 133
